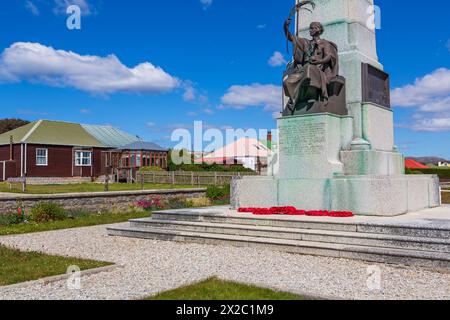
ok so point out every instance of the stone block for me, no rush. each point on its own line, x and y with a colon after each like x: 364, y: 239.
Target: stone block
x: 254, y: 192
x: 309, y: 145
x: 370, y: 195
x: 363, y: 195
x: 305, y: 194
x: 378, y: 127
x: 371, y: 162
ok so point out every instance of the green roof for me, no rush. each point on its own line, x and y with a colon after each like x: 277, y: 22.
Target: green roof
x: 51, y: 133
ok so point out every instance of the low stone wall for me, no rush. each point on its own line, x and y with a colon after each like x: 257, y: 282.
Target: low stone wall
x: 96, y: 201
x: 52, y: 180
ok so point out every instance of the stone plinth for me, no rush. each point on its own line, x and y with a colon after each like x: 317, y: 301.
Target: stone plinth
x: 364, y: 195
x: 309, y: 145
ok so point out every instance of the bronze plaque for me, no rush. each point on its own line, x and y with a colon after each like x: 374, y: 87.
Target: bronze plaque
x: 376, y: 86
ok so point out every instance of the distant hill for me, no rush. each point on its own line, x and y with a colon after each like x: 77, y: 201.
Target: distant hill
x: 426, y: 160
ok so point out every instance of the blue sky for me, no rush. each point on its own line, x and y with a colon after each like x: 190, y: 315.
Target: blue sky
x: 183, y: 60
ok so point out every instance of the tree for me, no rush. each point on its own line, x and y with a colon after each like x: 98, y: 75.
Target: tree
x: 11, y: 124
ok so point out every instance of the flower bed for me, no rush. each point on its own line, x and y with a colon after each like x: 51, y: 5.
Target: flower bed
x: 292, y: 211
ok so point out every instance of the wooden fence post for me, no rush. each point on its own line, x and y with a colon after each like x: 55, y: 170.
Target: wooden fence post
x: 24, y: 184
x: 173, y: 177
x: 142, y: 175
x: 215, y: 178
x: 107, y: 182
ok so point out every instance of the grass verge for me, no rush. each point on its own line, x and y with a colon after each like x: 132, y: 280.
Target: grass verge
x: 84, y: 221
x: 17, y: 266
x: 88, y: 187
x: 216, y: 289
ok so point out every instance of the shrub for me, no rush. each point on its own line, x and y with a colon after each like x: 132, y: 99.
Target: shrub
x: 198, y: 202
x: 442, y: 173
x: 179, y: 203
x: 11, y: 218
x: 47, y: 211
x: 215, y: 193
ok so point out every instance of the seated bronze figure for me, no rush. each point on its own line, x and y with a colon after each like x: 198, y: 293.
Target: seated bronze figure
x: 311, y: 81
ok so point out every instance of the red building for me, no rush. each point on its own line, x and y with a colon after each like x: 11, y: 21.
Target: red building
x: 54, y: 149
x: 413, y: 164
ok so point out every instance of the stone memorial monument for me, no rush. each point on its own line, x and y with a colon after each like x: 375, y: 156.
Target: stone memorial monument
x: 336, y: 132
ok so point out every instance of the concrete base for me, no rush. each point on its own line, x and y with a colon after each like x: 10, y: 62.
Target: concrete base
x: 363, y: 195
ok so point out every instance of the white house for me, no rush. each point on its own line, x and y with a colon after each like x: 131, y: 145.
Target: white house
x: 249, y: 152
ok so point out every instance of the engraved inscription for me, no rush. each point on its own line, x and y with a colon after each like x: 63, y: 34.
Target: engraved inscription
x: 307, y: 139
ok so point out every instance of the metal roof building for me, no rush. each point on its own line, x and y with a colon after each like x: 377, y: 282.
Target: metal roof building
x: 109, y: 136
x: 56, y: 133
x: 143, y: 145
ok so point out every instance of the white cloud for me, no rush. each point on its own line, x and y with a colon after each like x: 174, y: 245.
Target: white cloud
x: 37, y: 63
x: 239, y: 97
x: 433, y: 124
x: 261, y: 26
x: 424, y: 90
x: 189, y: 93
x: 430, y: 97
x: 277, y: 59
x: 30, y: 6
x: 85, y: 111
x: 438, y: 105
x: 206, y: 3
x: 61, y: 6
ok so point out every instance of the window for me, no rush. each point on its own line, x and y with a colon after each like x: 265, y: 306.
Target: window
x: 83, y: 159
x: 138, y: 160
x: 41, y: 157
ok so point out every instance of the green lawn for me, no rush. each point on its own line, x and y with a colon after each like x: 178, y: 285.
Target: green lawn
x: 84, y: 221
x: 87, y: 187
x: 17, y: 266
x: 446, y: 197
x: 216, y: 289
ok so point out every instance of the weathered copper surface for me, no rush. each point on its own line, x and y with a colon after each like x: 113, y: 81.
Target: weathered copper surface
x: 311, y: 80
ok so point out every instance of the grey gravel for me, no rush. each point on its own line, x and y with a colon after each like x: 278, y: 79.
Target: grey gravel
x: 150, y: 267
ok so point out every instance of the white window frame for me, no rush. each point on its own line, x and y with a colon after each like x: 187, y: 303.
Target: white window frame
x: 82, y: 158
x: 38, y: 156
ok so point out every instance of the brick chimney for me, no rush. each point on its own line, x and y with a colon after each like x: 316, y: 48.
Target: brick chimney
x: 269, y: 139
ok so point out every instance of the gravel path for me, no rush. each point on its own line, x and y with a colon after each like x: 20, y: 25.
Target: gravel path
x: 154, y: 266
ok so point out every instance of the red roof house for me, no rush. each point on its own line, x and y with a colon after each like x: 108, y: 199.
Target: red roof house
x: 412, y: 164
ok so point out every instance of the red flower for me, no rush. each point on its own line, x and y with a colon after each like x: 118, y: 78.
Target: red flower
x: 19, y: 212
x: 292, y: 211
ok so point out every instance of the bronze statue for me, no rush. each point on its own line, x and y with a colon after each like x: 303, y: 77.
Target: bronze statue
x: 311, y: 81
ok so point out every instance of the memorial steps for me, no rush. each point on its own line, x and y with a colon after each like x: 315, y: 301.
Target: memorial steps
x: 407, y: 244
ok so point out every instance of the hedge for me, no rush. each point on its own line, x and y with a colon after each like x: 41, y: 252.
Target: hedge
x: 442, y: 173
